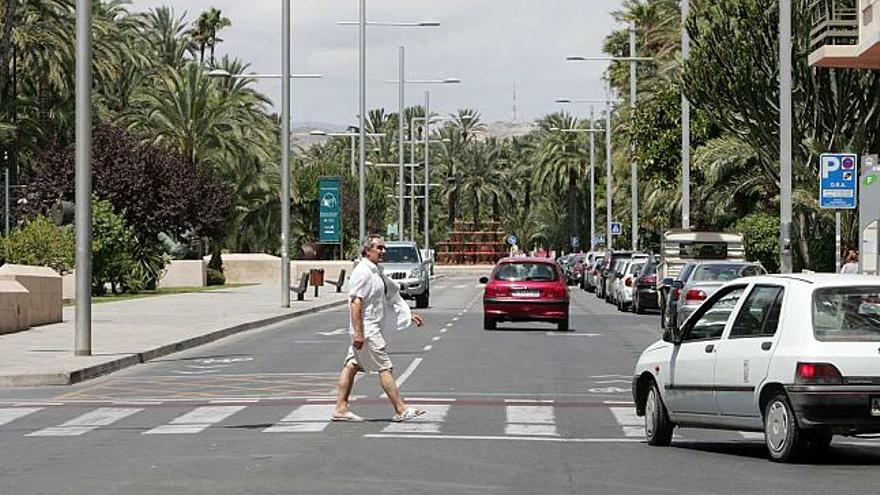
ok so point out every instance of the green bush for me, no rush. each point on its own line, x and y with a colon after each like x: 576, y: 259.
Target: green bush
x: 761, y: 232
x: 40, y: 243
x: 216, y: 277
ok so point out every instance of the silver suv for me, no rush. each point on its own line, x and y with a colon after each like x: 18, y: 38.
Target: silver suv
x: 404, y: 264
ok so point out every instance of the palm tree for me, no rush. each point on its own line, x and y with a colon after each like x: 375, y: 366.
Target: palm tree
x: 481, y: 176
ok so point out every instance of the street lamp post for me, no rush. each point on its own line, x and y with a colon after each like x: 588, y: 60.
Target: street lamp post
x: 592, y: 132
x: 285, y: 77
x: 633, y: 60
x: 362, y: 100
x: 353, y: 136
x: 428, y: 176
x: 83, y: 330
x: 785, y: 87
x: 607, y: 101
x: 685, y: 126
x: 401, y: 84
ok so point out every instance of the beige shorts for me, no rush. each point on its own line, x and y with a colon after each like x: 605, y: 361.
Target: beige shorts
x: 371, y: 357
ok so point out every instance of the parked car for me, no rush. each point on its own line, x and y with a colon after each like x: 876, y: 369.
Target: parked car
x: 669, y: 296
x: 404, y: 264
x: 576, y: 272
x: 624, y: 287
x: 793, y: 356
x: 591, y: 273
x: 525, y: 289
x: 614, y: 280
x: 645, y: 290
x: 612, y: 269
x: 705, y: 279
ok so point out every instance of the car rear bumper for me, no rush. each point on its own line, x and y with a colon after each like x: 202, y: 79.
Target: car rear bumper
x: 525, y: 309
x: 843, y: 408
x: 648, y: 298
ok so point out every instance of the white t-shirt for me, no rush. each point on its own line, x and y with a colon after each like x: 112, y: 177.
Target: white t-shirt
x: 368, y: 284
x: 852, y: 267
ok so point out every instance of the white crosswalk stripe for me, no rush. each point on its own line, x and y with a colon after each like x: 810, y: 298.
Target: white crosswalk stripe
x: 8, y: 415
x: 310, y: 418
x: 87, y: 422
x: 530, y: 420
x: 633, y: 426
x: 196, y: 420
x: 430, y: 422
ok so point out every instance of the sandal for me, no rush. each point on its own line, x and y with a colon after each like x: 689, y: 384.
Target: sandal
x: 348, y: 416
x: 410, y: 413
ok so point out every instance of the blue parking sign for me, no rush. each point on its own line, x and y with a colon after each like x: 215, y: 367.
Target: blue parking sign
x: 838, y: 181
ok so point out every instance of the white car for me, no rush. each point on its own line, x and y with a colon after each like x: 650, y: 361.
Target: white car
x: 624, y: 286
x: 796, y: 357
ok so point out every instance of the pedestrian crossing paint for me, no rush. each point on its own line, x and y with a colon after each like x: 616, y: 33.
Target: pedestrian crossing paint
x: 310, y: 418
x: 196, y: 420
x: 633, y: 426
x: 530, y: 420
x: 8, y: 415
x: 430, y: 422
x: 87, y: 422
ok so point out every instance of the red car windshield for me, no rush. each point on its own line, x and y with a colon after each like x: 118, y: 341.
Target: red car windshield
x: 526, y: 272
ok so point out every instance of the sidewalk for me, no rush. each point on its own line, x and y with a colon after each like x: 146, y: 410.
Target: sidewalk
x: 127, y: 333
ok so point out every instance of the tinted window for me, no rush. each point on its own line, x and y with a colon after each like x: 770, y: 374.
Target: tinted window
x: 724, y: 272
x: 522, y: 272
x: 712, y: 319
x: 401, y: 254
x: 759, y: 315
x: 847, y: 314
x: 703, y: 250
x: 636, y: 268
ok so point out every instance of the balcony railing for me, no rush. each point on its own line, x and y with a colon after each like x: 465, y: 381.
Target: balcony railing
x: 834, y: 22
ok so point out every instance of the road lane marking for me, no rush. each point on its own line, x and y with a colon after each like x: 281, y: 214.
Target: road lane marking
x: 195, y: 421
x: 569, y: 334
x: 462, y: 286
x: 310, y: 418
x: 442, y: 330
x: 620, y: 402
x: 435, y: 339
x: 429, y: 422
x: 529, y: 401
x: 611, y: 376
x: 37, y: 404
x: 605, y: 382
x: 104, y: 416
x: 454, y: 318
x: 530, y: 421
x: 233, y: 401
x: 449, y: 324
x: 9, y: 415
x: 427, y: 348
x: 406, y: 374
x: 499, y: 438
x: 338, y: 331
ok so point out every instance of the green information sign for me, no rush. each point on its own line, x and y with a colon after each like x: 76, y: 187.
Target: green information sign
x: 330, y: 200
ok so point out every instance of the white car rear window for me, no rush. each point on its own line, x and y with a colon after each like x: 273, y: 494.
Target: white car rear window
x: 847, y: 314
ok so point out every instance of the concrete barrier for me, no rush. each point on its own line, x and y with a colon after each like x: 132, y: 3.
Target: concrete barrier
x: 242, y: 268
x: 185, y: 273
x: 14, y: 307
x: 251, y: 268
x: 44, y: 291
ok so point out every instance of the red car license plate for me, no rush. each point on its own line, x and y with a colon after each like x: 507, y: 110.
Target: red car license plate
x: 526, y: 293
x: 875, y: 406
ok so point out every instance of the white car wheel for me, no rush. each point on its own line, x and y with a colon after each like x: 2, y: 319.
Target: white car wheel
x: 783, y: 436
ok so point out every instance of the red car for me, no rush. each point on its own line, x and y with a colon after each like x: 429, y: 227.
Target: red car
x: 525, y: 289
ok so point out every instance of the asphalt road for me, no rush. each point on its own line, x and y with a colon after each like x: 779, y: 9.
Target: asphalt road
x: 520, y: 410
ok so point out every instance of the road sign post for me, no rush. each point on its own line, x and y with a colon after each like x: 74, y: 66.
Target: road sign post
x: 838, y: 185
x: 330, y: 199
x: 616, y: 228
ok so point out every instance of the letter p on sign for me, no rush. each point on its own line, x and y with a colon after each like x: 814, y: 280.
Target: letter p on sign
x: 829, y: 164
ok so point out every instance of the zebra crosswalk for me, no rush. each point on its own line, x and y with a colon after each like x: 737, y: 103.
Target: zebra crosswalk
x: 538, y: 420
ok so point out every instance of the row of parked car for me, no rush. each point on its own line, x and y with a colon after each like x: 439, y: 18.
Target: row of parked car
x: 629, y: 280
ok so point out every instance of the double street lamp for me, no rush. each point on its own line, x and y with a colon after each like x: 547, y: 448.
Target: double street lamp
x: 592, y: 132
x: 362, y: 97
x: 633, y: 60
x: 401, y: 85
x: 608, y: 160
x: 285, y: 77
x: 353, y: 136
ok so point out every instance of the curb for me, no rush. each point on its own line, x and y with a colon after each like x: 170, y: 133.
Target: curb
x: 96, y: 370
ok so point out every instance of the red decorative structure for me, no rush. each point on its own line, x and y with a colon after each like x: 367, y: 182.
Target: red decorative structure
x: 467, y: 246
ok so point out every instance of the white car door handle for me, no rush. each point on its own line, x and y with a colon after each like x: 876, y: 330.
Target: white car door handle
x: 766, y: 346
x: 710, y: 348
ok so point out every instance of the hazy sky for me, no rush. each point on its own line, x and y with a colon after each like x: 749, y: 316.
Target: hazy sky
x: 489, y: 44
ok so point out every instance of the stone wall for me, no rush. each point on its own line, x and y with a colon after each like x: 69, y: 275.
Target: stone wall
x: 44, y: 291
